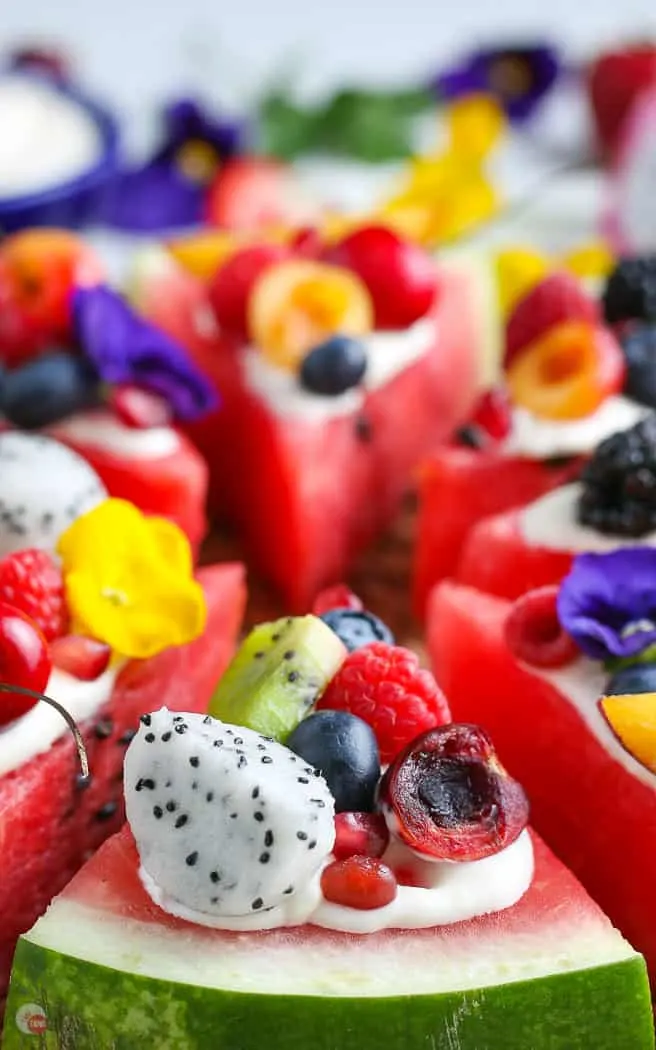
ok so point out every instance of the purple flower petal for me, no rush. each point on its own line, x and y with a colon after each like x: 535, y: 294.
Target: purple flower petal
x: 608, y: 602
x: 124, y: 348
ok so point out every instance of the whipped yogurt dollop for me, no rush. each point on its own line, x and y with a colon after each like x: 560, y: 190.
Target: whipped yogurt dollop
x: 102, y: 430
x: 388, y: 353
x: 551, y: 522
x: 448, y: 892
x: 47, y: 138
x: 538, y: 438
x: 36, y: 731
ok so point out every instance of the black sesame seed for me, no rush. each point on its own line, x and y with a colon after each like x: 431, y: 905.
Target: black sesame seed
x: 191, y: 858
x: 146, y: 783
x: 268, y: 838
x: 218, y: 743
x: 207, y: 720
x: 145, y: 720
x: 194, y: 761
x: 243, y: 761
x: 301, y: 836
x: 127, y: 737
x: 238, y: 741
x: 194, y: 785
x: 261, y: 747
x: 103, y: 728
x: 150, y: 738
x: 171, y: 806
x: 275, y: 637
x: 181, y: 821
x: 290, y: 889
x: 209, y: 796
x: 267, y: 760
x: 259, y: 817
x: 289, y: 655
x: 107, y: 811
x: 303, y: 780
x: 215, y: 877
x: 181, y: 728
x: 168, y: 783
x: 255, y: 792
x: 312, y: 845
x: 233, y: 816
x: 214, y: 900
x: 318, y: 802
x: 259, y: 654
x: 257, y: 904
x: 166, y: 736
x: 265, y: 858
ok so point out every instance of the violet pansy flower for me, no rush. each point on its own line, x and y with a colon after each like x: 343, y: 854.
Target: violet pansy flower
x: 169, y: 190
x: 518, y: 77
x: 608, y: 603
x: 125, y: 349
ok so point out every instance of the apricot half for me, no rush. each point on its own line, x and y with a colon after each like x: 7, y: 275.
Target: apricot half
x: 633, y: 720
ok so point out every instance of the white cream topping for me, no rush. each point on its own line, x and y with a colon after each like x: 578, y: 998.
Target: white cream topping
x: 104, y: 431
x: 46, y: 139
x: 35, y: 732
x: 448, y: 892
x: 388, y: 353
x: 538, y: 438
x: 582, y: 684
x: 551, y: 522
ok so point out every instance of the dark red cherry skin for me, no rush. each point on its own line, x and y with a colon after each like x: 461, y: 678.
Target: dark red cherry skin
x: 447, y: 796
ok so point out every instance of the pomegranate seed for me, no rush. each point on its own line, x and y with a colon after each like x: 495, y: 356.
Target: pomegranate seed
x: 338, y: 597
x: 139, y: 408
x: 364, y: 883
x: 81, y: 657
x: 534, y: 633
x: 493, y: 414
x: 360, y: 835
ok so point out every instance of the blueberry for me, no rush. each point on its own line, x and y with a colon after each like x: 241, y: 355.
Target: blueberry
x: 639, y: 346
x: 48, y: 389
x: 638, y: 678
x: 334, y: 366
x: 357, y: 628
x: 344, y: 749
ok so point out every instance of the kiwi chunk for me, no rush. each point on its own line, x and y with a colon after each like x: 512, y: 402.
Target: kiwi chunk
x: 277, y: 675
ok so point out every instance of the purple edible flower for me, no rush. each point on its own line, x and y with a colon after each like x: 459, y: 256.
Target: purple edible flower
x: 518, y: 77
x: 170, y: 189
x: 608, y: 602
x: 126, y: 349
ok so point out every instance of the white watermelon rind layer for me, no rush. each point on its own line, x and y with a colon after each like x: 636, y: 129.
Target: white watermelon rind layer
x: 94, y: 1006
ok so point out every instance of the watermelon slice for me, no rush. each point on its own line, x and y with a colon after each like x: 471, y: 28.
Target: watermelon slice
x: 48, y: 824
x: 106, y: 964
x: 458, y: 488
x: 308, y: 493
x: 594, y: 804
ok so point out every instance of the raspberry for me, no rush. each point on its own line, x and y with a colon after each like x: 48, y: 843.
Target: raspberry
x: 534, y: 633
x: 32, y: 582
x: 385, y: 687
x: 556, y: 299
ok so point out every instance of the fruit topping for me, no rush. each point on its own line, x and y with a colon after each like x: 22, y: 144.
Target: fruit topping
x: 227, y: 822
x: 568, y: 372
x: 534, y: 633
x: 615, y: 79
x: 48, y: 389
x: 139, y: 408
x: 556, y: 299
x: 81, y: 657
x: 448, y: 798
x: 250, y: 193
x: 384, y: 685
x: 277, y: 675
x: 296, y: 305
x: 518, y: 270
x: 638, y: 344
x: 45, y: 486
x: 337, y: 597
x: 400, y: 276
x: 357, y: 627
x: 633, y: 720
x: 363, y: 883
x: 308, y: 242
x: 334, y: 367
x: 24, y: 661
x: 345, y: 751
x: 618, y: 493
x: 360, y: 835
x: 630, y: 292
x: 636, y: 678
x: 31, y: 581
x: 493, y: 414
x: 233, y: 282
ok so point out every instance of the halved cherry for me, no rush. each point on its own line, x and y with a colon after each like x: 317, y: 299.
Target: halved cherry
x: 364, y: 883
x: 448, y: 797
x: 567, y: 373
x: 297, y: 304
x: 231, y: 286
x: 24, y: 661
x: 534, y: 633
x: 340, y: 596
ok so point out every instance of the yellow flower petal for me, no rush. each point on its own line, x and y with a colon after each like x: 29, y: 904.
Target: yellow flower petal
x: 474, y: 203
x: 475, y: 125
x: 172, y: 545
x: 105, y: 534
x: 590, y: 261
x: 518, y: 270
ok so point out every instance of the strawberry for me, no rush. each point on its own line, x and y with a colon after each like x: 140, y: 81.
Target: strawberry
x: 556, y: 299
x: 253, y: 192
x: 615, y: 79
x: 32, y: 582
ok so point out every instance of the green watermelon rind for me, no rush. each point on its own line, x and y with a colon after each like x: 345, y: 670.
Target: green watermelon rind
x: 93, y: 1007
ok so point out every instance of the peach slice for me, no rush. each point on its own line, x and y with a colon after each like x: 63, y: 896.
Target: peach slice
x: 568, y: 372
x: 298, y: 303
x: 633, y: 720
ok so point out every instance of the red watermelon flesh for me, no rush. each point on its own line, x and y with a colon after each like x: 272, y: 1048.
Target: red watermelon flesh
x: 458, y: 488
x: 497, y: 559
x: 597, y: 815
x: 307, y: 496
x: 48, y: 825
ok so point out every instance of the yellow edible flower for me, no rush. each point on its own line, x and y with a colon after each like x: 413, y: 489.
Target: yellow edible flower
x: 518, y: 271
x: 593, y: 260
x: 475, y: 124
x: 129, y: 580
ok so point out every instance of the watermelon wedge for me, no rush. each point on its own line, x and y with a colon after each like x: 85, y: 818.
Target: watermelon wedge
x: 106, y: 964
x: 594, y: 804
x: 458, y: 488
x: 49, y: 825
x: 308, y: 493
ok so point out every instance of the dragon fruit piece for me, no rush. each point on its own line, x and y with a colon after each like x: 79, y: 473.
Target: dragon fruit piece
x: 44, y: 487
x: 228, y: 823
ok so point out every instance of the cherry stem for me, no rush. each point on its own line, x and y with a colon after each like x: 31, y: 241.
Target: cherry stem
x: 70, y: 721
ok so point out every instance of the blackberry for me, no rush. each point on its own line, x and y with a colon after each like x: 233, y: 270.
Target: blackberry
x: 630, y: 293
x: 619, y: 483
x: 639, y: 347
